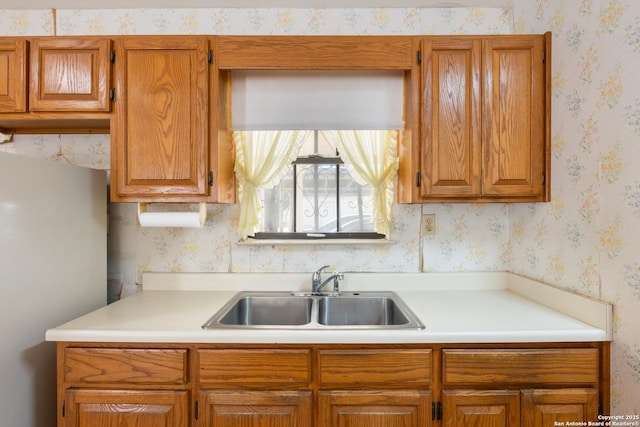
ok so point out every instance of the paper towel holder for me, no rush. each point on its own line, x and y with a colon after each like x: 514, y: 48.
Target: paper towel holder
x: 172, y: 219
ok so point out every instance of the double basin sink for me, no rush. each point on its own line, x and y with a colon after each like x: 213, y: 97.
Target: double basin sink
x: 286, y: 310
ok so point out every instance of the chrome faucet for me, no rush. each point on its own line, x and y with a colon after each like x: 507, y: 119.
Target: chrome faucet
x: 317, y: 283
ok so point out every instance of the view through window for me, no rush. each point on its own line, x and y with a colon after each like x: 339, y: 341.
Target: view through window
x: 317, y: 197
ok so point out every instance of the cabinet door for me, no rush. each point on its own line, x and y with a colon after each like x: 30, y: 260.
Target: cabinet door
x: 387, y: 408
x: 70, y: 74
x: 557, y: 407
x: 116, y: 408
x: 451, y: 150
x: 256, y: 408
x: 481, y: 408
x: 514, y: 116
x: 13, y: 76
x: 160, y: 132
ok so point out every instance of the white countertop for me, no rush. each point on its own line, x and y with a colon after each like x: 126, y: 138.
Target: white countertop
x: 454, y: 307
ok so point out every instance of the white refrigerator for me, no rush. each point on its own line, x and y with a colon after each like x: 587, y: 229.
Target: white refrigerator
x: 53, y: 268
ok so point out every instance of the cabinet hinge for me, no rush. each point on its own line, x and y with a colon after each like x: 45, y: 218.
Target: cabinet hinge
x: 418, y: 179
x: 210, y: 179
x: 112, y: 94
x: 112, y: 57
x: 210, y: 58
x: 63, y: 409
x: 419, y: 57
x: 544, y: 178
x: 544, y: 56
x: 195, y: 410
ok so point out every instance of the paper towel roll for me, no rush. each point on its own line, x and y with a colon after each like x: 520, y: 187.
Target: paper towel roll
x: 6, y: 137
x: 172, y: 219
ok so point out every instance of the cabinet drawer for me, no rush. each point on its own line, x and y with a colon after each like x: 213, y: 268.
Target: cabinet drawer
x: 261, y: 368
x: 388, y: 368
x: 125, y: 366
x: 520, y: 366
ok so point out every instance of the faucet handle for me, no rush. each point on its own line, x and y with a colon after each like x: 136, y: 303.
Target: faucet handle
x: 336, y: 277
x: 316, y: 274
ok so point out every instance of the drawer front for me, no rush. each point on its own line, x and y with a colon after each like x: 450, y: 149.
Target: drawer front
x: 255, y: 368
x: 125, y: 366
x: 362, y: 368
x: 520, y: 367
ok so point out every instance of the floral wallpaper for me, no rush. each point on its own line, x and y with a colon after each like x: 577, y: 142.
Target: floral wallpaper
x: 582, y: 240
x: 586, y: 239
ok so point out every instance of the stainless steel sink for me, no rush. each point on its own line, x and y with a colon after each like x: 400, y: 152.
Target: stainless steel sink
x: 264, y: 309
x: 360, y: 310
x: 285, y: 310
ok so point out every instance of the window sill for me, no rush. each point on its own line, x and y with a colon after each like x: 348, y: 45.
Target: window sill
x: 300, y: 242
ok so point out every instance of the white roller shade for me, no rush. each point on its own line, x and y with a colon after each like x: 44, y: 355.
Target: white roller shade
x: 322, y: 100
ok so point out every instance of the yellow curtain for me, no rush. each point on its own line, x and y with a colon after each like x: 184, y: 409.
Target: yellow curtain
x: 260, y: 160
x: 372, y: 156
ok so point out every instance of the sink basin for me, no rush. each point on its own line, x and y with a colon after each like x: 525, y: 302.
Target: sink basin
x: 265, y: 310
x: 286, y: 310
x: 360, y: 311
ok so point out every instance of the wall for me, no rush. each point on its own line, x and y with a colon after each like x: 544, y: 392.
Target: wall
x: 570, y: 242
x: 586, y: 239
x: 470, y: 237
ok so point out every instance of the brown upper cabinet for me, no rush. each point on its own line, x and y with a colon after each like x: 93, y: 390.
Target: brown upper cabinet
x: 13, y: 75
x: 477, y: 109
x: 70, y: 74
x: 514, y: 116
x: 166, y: 143
x: 451, y: 133
x: 484, y: 121
x: 159, y: 135
x: 55, y: 84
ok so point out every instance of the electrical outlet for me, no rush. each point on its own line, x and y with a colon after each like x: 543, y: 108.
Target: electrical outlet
x: 428, y: 224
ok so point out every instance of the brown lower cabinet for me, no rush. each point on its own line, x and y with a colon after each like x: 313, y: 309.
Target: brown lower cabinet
x: 337, y: 385
x: 88, y: 407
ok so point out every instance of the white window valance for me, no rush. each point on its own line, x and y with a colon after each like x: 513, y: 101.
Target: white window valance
x: 316, y: 100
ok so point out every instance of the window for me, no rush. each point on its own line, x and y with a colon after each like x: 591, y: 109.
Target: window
x: 317, y: 197
x: 263, y: 157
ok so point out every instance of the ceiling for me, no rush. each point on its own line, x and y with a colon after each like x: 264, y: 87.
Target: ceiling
x: 299, y: 4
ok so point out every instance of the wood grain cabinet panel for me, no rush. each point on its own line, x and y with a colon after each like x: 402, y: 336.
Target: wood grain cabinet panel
x: 264, y: 368
x: 388, y: 408
x: 240, y: 408
x: 559, y: 407
x: 125, y: 366
x: 481, y: 367
x: 481, y: 408
x: 160, y: 130
x: 451, y: 128
x: 70, y: 74
x: 316, y: 52
x: 514, y: 116
x: 13, y: 75
x: 118, y: 408
x: 366, y: 368
x: 485, y: 121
